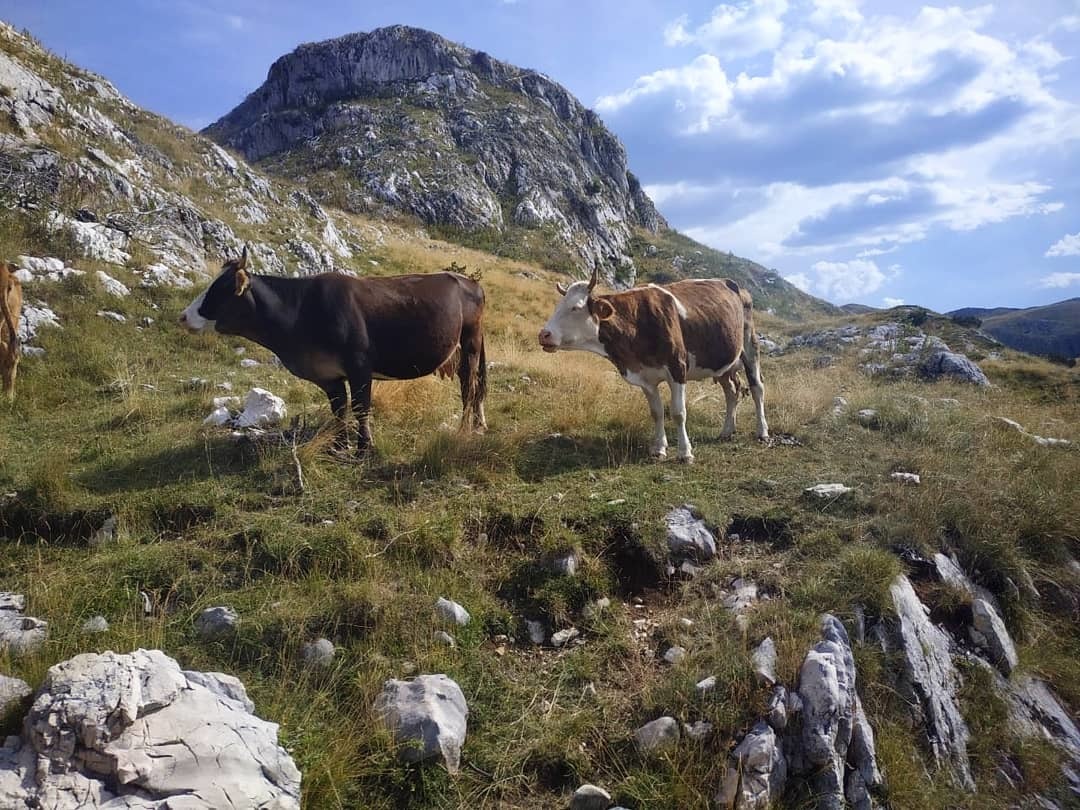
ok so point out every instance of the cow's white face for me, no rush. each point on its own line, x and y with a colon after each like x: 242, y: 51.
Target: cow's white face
x: 190, y: 317
x: 572, y: 325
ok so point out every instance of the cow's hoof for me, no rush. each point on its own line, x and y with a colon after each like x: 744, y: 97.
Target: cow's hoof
x: 658, y: 455
x: 727, y: 437
x: 688, y: 459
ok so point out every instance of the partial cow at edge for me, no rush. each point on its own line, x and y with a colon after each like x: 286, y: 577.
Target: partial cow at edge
x: 11, y: 300
x: 697, y: 329
x: 335, y: 330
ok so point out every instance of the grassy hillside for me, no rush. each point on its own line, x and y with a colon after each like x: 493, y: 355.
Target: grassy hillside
x: 110, y: 421
x: 1052, y: 330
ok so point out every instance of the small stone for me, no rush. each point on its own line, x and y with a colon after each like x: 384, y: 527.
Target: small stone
x: 744, y: 593
x: 565, y: 565
x: 594, y: 610
x: 215, y: 622
x: 428, y: 715
x: 826, y: 491
x: 674, y: 654
x: 319, y: 652
x: 106, y: 534
x: 988, y: 625
x: 705, y: 685
x: 95, y: 624
x: 655, y: 736
x: 563, y: 636
x: 13, y: 691
x: 777, y: 715
x: 868, y: 417
x: 686, y: 624
x: 445, y: 638
x: 765, y: 663
x: 906, y: 478
x: 452, y: 611
x: 590, y: 797
x: 688, y: 536
x: 535, y: 630
x: 698, y: 731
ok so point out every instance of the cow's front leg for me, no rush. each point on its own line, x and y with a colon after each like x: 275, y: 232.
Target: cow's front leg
x: 658, y: 449
x: 678, y: 412
x: 339, y: 405
x: 360, y: 383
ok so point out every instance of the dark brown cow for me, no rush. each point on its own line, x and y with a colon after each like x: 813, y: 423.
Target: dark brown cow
x: 10, y: 312
x: 333, y: 329
x: 689, y: 330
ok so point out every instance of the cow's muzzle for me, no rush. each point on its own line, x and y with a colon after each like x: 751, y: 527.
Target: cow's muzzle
x: 547, y: 343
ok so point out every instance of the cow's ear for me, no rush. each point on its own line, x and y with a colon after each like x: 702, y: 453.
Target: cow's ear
x: 561, y: 288
x: 242, y: 264
x: 602, y: 309
x: 243, y: 281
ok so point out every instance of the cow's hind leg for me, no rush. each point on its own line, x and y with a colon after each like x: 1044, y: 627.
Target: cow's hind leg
x: 751, y: 361
x: 658, y: 448
x: 360, y: 387
x: 472, y: 372
x: 731, y: 400
x: 339, y: 404
x: 678, y: 413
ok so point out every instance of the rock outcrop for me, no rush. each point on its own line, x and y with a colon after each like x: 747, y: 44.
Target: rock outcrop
x: 401, y: 118
x: 135, y: 731
x: 19, y: 634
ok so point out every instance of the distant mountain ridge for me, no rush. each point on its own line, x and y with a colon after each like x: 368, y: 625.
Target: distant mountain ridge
x: 401, y: 120
x: 1052, y: 330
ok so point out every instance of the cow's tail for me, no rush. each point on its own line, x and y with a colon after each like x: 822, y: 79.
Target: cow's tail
x: 751, y: 357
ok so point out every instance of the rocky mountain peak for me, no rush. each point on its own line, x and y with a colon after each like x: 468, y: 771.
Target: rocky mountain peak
x: 405, y: 120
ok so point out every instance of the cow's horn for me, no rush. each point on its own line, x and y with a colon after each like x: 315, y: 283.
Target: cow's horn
x: 594, y: 278
x: 243, y: 260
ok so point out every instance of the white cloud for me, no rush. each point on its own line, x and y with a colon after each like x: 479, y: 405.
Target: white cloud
x: 800, y: 280
x: 1058, y: 280
x: 742, y: 29
x: 703, y: 80
x: 845, y: 281
x: 1068, y: 245
x: 892, y: 302
x: 234, y: 21
x: 828, y: 11
x: 870, y: 252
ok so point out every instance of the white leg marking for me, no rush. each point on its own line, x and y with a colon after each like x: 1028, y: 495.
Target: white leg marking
x: 678, y: 411
x: 656, y: 408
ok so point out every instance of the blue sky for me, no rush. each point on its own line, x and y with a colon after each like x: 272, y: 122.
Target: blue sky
x: 869, y: 150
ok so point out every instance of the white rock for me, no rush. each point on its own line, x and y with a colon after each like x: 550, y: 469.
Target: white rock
x: 674, y: 654
x: 249, y: 362
x: 764, y: 658
x: 218, y: 417
x: 660, y: 734
x: 563, y: 636
x: 698, y: 731
x: 12, y: 692
x: 261, y: 409
x: 35, y: 317
x: 590, y: 797
x: 138, y: 726
x: 566, y: 565
x: 106, y: 534
x: 706, y: 685
x: 319, y: 653
x: 215, y: 622
x: 160, y: 275
x: 930, y: 681
x: 535, y: 630
x: 986, y: 621
x: 112, y: 316
x: 744, y: 594
x: 19, y: 634
x: 756, y: 772
x: 840, y: 405
x: 867, y: 417
x: 688, y: 536
x: 428, y: 714
x: 826, y: 491
x: 452, y: 612
x: 95, y: 240
x: 95, y: 624
x: 906, y: 478
x: 111, y: 285
x: 445, y: 638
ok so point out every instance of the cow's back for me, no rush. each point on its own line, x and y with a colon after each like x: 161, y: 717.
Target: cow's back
x: 712, y: 327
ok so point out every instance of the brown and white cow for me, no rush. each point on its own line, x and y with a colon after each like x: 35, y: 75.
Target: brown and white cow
x: 689, y: 330
x: 10, y: 311
x: 333, y: 329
